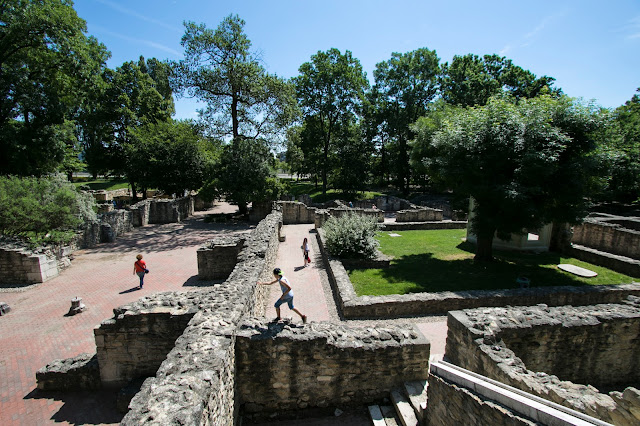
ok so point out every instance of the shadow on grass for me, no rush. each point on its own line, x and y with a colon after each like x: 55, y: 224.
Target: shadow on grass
x: 420, y: 273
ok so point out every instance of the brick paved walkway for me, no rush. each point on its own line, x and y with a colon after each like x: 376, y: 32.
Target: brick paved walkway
x: 37, y: 331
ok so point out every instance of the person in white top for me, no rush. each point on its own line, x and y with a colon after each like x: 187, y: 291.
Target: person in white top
x: 305, y: 252
x: 287, y: 294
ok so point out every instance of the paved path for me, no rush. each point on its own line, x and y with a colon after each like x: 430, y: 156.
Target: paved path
x: 37, y: 331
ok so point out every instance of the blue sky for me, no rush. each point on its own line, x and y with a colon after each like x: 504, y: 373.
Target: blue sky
x: 591, y: 48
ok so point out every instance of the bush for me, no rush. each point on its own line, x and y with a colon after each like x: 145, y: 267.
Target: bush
x: 351, y: 236
x: 37, y: 206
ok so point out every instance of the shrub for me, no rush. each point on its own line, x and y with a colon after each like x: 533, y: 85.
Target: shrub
x: 40, y: 205
x: 351, y: 236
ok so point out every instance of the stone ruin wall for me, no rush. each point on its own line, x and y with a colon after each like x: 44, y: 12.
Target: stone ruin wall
x: 289, y: 367
x: 475, y: 342
x: 20, y: 266
x: 196, y: 384
x: 218, y: 257
x: 608, y: 237
x: 419, y: 214
x: 452, y: 405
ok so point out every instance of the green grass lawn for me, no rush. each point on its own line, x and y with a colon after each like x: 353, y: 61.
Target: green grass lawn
x: 306, y: 187
x: 440, y: 260
x: 98, y: 184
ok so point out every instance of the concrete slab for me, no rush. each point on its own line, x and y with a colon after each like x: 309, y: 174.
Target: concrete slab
x: 404, y: 409
x: 577, y: 270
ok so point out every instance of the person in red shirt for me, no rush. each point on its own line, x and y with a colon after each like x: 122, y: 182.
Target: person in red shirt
x: 140, y: 268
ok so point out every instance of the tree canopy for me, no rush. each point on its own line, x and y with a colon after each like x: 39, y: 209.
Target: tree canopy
x: 47, y: 65
x: 219, y: 69
x: 525, y: 163
x: 331, y: 90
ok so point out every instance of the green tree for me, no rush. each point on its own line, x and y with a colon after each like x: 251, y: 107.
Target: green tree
x: 406, y: 84
x: 525, y: 164
x: 169, y: 156
x: 47, y: 65
x: 246, y: 173
x: 471, y: 80
x: 130, y: 101
x: 219, y: 69
x: 331, y: 89
x: 624, y: 149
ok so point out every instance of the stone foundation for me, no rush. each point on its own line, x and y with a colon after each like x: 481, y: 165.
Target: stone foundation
x: 288, y: 367
x: 559, y: 354
x: 609, y: 234
x: 20, y: 266
x: 422, y: 214
x: 294, y: 212
x: 78, y: 373
x: 218, y: 257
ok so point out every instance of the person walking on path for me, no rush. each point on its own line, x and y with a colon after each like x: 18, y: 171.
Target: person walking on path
x: 140, y: 268
x: 305, y: 252
x: 287, y: 294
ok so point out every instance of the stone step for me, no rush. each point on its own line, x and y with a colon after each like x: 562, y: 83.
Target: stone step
x: 376, y: 416
x: 417, y: 393
x: 403, y: 407
x: 389, y: 415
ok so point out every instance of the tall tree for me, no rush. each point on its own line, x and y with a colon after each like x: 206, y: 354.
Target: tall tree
x: 471, y: 80
x: 407, y: 83
x: 525, y: 164
x: 131, y: 100
x: 219, y: 69
x: 47, y: 64
x: 331, y: 89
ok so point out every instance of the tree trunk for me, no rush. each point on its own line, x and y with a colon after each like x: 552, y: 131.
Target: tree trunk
x: 484, y: 251
x: 234, y: 117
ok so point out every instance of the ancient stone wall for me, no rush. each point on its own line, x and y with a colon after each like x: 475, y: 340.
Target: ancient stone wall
x: 475, y: 342
x: 283, y: 367
x: 135, y: 342
x: 423, y: 226
x: 323, y: 215
x: 196, y: 384
x: 354, y: 306
x: 77, y: 373
x: 218, y: 257
x: 19, y: 266
x: 295, y: 212
x: 261, y: 209
x: 608, y: 237
x: 140, y: 213
x: 423, y: 214
x: 452, y: 405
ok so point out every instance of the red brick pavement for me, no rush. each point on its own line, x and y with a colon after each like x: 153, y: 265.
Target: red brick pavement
x: 36, y: 331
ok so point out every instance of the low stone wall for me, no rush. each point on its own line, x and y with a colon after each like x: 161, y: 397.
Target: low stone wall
x: 294, y: 212
x: 423, y: 214
x: 20, y: 266
x: 218, y: 257
x: 423, y: 226
x: 284, y: 367
x: 162, y: 210
x: 136, y: 341
x: 557, y: 343
x: 622, y: 264
x: 608, y: 237
x: 392, y: 306
x: 451, y: 405
x: 78, y: 373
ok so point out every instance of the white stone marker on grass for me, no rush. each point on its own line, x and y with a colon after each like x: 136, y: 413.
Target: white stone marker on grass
x: 581, y: 272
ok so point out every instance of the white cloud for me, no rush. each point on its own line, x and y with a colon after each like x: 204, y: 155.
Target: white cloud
x: 137, y: 15
x: 530, y: 37
x: 140, y: 41
x: 633, y: 28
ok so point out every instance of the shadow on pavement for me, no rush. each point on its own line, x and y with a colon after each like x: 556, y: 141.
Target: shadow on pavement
x: 193, y: 281
x: 131, y: 290
x: 83, y: 407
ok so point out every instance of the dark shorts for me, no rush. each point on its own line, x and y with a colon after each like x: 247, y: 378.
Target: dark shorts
x: 288, y: 300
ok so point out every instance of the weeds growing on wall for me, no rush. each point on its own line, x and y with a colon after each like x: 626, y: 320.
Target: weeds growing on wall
x: 351, y: 236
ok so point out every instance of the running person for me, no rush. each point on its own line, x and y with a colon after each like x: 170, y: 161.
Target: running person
x: 287, y: 294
